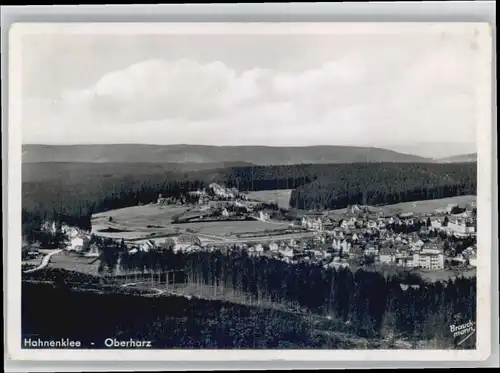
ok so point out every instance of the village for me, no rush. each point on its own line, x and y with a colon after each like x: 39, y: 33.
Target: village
x: 442, y: 239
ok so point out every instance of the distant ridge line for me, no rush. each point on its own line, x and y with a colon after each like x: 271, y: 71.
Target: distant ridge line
x: 181, y: 153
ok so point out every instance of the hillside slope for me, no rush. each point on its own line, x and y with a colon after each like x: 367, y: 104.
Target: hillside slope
x: 463, y: 158
x: 261, y: 155
x: 78, y: 190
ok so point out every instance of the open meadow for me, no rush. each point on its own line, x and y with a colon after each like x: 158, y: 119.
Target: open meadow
x: 417, y: 207
x: 230, y: 228
x: 74, y: 262
x: 279, y: 196
x: 155, y: 222
x: 137, y: 221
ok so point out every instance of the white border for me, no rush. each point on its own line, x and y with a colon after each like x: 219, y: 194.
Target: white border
x: 484, y: 120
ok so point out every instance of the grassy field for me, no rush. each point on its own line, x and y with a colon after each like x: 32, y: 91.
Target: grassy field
x: 280, y: 196
x: 144, y: 215
x: 417, y: 207
x: 133, y: 222
x: 74, y: 262
x: 230, y: 228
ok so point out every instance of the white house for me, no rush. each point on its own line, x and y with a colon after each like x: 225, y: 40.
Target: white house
x: 287, y: 253
x: 273, y: 247
x: 387, y: 255
x: 371, y: 251
x: 351, y: 223
x: 76, y: 244
x: 336, y: 244
x: 429, y: 260
x: 417, y: 245
x: 459, y: 226
x: 259, y: 248
x: 345, y: 247
x: 263, y: 215
x: 310, y: 223
x: 470, y: 251
x: 147, y: 246
x: 436, y: 223
x: 317, y: 224
x: 318, y: 253
x: 410, y: 221
x: 473, y: 261
x: 459, y: 258
x: 404, y: 261
x: 431, y: 249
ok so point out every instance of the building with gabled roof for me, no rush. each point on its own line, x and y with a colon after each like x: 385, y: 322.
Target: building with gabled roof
x: 387, y: 255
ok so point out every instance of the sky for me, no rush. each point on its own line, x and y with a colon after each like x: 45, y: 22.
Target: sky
x: 405, y: 91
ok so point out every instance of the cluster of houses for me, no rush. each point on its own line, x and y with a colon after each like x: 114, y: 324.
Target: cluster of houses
x: 375, y: 239
x: 460, y: 225
x: 355, y: 236
x: 162, y: 201
x: 324, y: 222
x: 181, y: 243
x: 395, y: 250
x: 76, y: 240
x: 215, y: 192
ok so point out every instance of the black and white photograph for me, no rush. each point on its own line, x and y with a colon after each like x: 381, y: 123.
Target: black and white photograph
x: 252, y: 187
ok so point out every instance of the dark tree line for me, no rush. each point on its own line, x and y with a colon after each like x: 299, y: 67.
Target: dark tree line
x: 417, y: 313
x: 168, y: 322
x: 385, y: 183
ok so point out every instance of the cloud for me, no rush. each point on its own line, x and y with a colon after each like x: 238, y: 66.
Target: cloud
x: 184, y: 89
x: 371, y: 94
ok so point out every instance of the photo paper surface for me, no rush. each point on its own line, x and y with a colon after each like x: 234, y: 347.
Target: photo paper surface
x: 250, y: 191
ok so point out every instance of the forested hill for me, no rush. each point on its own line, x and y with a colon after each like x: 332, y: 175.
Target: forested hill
x: 77, y: 172
x: 385, y: 184
x: 78, y: 190
x: 261, y: 155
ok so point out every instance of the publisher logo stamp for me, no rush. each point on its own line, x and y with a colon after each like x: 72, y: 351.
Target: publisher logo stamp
x: 463, y: 332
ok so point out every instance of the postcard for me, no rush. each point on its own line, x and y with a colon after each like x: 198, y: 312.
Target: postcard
x: 250, y: 191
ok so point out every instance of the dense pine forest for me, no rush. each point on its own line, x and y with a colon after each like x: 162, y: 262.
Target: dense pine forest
x: 72, y: 192
x: 169, y: 322
x: 275, y: 305
x: 380, y: 184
